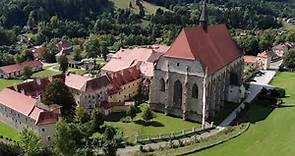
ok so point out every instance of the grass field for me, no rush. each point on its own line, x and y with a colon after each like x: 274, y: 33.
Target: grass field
x: 149, y: 8
x: 161, y: 124
x: 272, y: 132
x: 7, y: 83
x: 9, y: 132
x: 44, y: 73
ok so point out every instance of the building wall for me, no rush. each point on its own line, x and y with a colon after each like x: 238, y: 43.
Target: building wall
x: 263, y: 63
x: 126, y: 92
x: 190, y: 73
x: 19, y: 122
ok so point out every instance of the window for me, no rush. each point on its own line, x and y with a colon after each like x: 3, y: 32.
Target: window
x: 162, y: 85
x: 178, y: 64
x: 48, y: 138
x: 195, y: 91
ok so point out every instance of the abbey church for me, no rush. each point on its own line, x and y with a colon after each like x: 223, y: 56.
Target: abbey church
x: 197, y: 75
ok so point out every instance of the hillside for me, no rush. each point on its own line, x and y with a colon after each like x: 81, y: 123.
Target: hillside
x: 149, y: 8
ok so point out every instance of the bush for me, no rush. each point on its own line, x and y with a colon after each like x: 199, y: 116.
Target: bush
x: 126, y: 119
x: 278, y: 92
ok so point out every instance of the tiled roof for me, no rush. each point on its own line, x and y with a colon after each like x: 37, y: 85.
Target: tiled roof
x: 126, y: 58
x: 24, y: 105
x: 123, y: 77
x: 213, y: 48
x: 263, y: 55
x: 76, y: 81
x: 86, y: 84
x: 249, y: 59
x: 19, y: 67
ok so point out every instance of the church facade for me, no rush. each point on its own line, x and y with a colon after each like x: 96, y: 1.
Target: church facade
x: 201, y: 70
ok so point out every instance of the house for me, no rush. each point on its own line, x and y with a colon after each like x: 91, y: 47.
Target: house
x: 201, y: 70
x: 250, y: 61
x: 64, y: 47
x: 112, y: 107
x: 12, y: 71
x: 263, y: 60
x: 21, y: 111
x: 39, y: 52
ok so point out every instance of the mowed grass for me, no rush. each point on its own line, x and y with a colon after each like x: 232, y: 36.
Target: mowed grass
x: 161, y: 124
x: 7, y: 131
x: 7, y: 83
x: 44, y: 73
x: 148, y: 7
x: 272, y: 132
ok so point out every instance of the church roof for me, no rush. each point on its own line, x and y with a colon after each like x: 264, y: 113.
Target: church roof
x: 213, y: 48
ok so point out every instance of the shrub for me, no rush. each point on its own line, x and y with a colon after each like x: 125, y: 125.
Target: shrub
x: 127, y: 119
x: 279, y: 92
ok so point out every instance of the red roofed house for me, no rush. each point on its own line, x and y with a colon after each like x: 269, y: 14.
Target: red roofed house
x: 250, y: 61
x: 39, y: 52
x: 11, y: 71
x: 21, y: 111
x: 201, y: 70
x: 263, y: 60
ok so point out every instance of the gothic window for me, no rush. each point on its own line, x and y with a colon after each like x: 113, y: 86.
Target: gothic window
x: 177, y: 94
x: 162, y: 83
x: 195, y: 91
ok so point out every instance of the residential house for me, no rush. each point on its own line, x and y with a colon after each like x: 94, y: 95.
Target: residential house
x: 250, y: 61
x: 12, y: 71
x: 263, y: 60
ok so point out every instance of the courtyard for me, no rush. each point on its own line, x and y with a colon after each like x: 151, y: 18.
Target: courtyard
x: 271, y: 132
x: 161, y: 124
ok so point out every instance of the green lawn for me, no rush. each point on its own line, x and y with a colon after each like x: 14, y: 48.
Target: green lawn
x: 44, y: 73
x: 7, y: 83
x: 9, y: 132
x: 272, y: 132
x: 162, y: 124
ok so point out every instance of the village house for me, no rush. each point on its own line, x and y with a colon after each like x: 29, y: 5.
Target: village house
x: 21, y: 111
x: 263, y: 60
x: 38, y: 52
x: 64, y: 47
x: 201, y: 70
x: 250, y: 61
x: 12, y: 71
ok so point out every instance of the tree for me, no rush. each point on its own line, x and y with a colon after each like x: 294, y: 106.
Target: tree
x: 104, y: 50
x: 92, y: 47
x: 290, y: 59
x: 67, y: 138
x: 132, y: 112
x: 110, y: 142
x: 58, y: 93
x: 77, y: 53
x: 81, y: 115
x: 63, y: 63
x: 147, y: 115
x: 31, y: 23
x: 96, y: 121
x: 49, y: 57
x: 30, y: 143
x: 27, y: 72
x: 291, y: 36
x: 28, y: 55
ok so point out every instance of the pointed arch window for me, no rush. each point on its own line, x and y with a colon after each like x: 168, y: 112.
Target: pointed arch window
x: 195, y: 92
x: 162, y: 83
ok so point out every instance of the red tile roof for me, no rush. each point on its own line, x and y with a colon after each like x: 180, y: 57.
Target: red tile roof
x: 214, y: 48
x: 19, y: 67
x: 25, y: 105
x: 263, y: 55
x: 249, y: 59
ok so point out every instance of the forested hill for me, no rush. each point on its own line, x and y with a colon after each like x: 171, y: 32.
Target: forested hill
x: 17, y: 12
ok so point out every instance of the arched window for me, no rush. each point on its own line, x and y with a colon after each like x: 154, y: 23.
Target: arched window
x: 162, y: 83
x: 177, y: 94
x: 195, y: 91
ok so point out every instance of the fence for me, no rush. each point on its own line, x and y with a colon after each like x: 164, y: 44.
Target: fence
x: 171, y: 136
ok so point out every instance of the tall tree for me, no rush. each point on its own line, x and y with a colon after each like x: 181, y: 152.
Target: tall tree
x: 96, y: 121
x: 147, y: 115
x: 30, y: 143
x: 58, y: 93
x: 27, y: 72
x: 63, y: 63
x: 81, y: 115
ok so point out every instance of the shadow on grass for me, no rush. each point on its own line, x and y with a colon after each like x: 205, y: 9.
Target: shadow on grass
x: 150, y: 123
x: 115, y: 117
x: 285, y: 106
